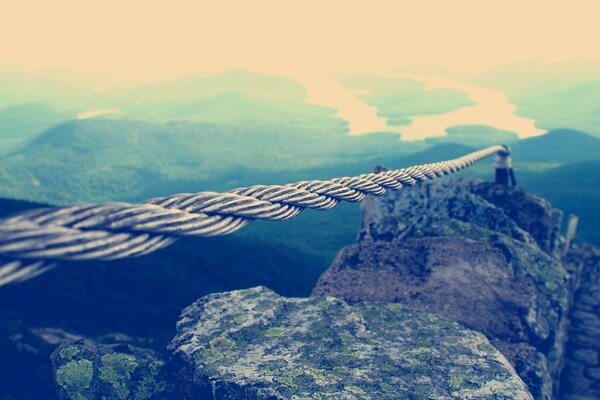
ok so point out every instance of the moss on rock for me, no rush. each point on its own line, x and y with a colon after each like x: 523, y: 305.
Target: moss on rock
x: 75, y: 375
x: 84, y: 371
x: 481, y: 254
x: 328, y: 349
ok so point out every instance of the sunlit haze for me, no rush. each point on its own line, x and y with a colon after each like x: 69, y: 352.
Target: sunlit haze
x: 309, y: 42
x: 142, y: 38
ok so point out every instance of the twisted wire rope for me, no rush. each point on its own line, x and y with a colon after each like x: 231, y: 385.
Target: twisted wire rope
x: 31, y: 241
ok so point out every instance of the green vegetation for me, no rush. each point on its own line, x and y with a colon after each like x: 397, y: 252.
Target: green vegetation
x: 116, y: 370
x: 398, y: 99
x: 126, y: 160
x: 556, y: 96
x: 558, y: 146
x: 75, y: 375
x: 111, y: 372
x: 156, y: 163
x: 475, y: 136
x: 104, y: 160
x: 24, y: 121
x: 574, y: 188
x: 576, y: 107
x: 240, y: 100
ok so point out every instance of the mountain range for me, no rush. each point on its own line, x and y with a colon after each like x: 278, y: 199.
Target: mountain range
x: 219, y: 132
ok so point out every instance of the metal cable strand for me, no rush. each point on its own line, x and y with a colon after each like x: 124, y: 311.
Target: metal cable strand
x: 30, y: 241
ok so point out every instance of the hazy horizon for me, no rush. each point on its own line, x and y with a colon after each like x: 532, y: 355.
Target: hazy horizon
x: 143, y: 39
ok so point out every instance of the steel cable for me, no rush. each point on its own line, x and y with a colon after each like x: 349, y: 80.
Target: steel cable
x: 31, y: 241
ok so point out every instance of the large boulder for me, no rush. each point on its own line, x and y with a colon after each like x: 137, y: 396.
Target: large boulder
x: 254, y: 344
x: 481, y: 254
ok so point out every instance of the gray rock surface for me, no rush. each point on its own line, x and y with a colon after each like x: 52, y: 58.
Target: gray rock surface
x: 580, y: 379
x: 254, y: 344
x: 85, y: 371
x: 533, y: 214
x: 481, y: 254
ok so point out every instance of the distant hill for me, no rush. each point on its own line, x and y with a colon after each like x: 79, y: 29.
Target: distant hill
x: 215, y: 100
x: 231, y: 97
x: 577, y: 106
x: 398, y: 98
x: 560, y: 145
x: 31, y: 103
x: 104, y: 159
x: 565, y: 94
x: 120, y: 160
x: 475, y: 135
x: 21, y: 122
x: 585, y: 174
x: 439, y: 152
x: 574, y: 188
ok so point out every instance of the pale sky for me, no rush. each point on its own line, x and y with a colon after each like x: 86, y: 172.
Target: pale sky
x: 174, y: 37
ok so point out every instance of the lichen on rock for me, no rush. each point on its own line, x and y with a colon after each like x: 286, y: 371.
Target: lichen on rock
x: 481, y: 254
x: 85, y: 371
x: 75, y: 375
x: 254, y: 344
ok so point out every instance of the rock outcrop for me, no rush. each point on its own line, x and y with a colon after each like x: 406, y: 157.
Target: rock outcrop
x: 86, y: 371
x: 254, y: 344
x: 398, y: 315
x: 581, y: 371
x: 25, y: 350
x: 481, y: 254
